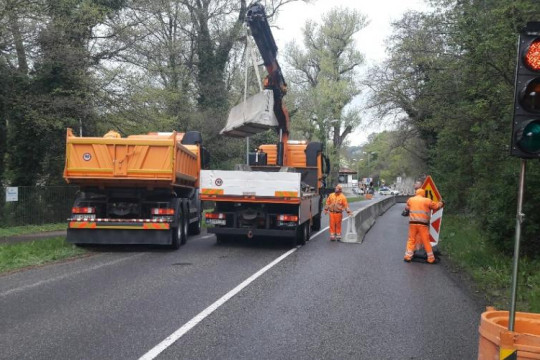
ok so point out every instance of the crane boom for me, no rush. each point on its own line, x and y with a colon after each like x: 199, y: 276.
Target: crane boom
x: 262, y: 34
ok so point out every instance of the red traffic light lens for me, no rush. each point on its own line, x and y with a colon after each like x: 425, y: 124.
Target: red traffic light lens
x: 532, y: 56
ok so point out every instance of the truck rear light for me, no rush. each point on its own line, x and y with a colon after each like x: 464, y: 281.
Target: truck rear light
x: 83, y: 210
x: 216, y: 218
x: 287, y: 218
x: 162, y: 211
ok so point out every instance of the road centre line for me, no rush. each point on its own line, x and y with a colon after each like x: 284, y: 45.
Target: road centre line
x: 171, y: 339
x: 43, y: 282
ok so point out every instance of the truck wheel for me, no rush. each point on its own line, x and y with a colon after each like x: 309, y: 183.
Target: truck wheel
x: 316, y: 223
x: 301, y: 234
x: 195, y: 227
x: 184, y: 224
x: 176, y: 237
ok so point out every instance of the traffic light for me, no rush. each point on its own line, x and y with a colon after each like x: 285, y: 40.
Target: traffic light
x: 526, y: 121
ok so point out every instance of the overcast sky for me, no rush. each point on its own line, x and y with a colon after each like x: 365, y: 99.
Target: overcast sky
x: 370, y: 40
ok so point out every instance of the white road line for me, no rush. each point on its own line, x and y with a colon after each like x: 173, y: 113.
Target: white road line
x: 326, y: 228
x: 43, y: 282
x: 320, y: 232
x: 171, y: 339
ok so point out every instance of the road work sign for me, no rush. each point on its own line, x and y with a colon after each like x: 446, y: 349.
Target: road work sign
x: 436, y: 216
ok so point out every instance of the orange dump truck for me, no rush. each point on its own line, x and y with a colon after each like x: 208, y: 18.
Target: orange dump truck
x: 142, y: 189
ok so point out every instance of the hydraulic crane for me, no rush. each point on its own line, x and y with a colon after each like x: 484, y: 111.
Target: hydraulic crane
x: 279, y: 193
x: 261, y: 33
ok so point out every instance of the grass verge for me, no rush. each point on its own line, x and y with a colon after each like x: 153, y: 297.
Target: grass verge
x: 355, y: 199
x: 31, y: 229
x: 21, y: 255
x: 463, y: 243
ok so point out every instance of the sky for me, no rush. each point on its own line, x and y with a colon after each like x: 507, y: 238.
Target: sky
x: 369, y: 41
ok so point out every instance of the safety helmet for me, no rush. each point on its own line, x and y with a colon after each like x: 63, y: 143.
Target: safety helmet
x: 421, y: 192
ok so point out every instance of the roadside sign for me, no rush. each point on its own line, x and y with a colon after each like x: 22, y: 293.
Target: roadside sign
x: 436, y: 216
x: 431, y: 189
x: 12, y: 194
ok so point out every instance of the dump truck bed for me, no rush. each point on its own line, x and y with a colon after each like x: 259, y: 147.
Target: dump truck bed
x: 149, y: 161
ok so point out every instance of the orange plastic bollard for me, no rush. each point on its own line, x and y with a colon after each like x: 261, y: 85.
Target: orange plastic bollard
x: 494, y: 335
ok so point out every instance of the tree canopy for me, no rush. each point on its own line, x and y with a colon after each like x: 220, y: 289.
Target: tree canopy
x: 449, y: 81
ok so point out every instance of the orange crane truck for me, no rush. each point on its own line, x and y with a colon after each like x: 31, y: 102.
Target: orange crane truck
x: 141, y: 189
x: 279, y: 192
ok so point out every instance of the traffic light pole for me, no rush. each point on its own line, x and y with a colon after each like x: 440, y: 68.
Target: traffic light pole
x: 519, y: 220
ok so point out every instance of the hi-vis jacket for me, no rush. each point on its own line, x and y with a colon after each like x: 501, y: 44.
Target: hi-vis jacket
x: 420, y: 209
x: 336, y: 203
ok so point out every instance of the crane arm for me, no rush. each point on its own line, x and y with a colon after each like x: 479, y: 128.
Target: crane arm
x: 262, y: 34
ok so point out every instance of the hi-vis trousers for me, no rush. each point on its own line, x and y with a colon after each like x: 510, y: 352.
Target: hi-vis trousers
x: 335, y: 223
x: 422, y: 232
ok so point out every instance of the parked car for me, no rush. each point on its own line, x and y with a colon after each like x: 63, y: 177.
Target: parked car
x: 385, y: 191
x: 394, y: 192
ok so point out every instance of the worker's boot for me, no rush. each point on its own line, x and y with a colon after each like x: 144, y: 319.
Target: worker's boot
x: 332, y: 237
x: 408, y: 256
x: 338, y: 237
x: 431, y: 259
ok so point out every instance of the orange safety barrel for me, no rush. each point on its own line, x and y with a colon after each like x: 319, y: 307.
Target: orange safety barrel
x: 494, y: 335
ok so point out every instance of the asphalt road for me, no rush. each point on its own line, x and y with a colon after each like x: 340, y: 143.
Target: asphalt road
x: 326, y: 300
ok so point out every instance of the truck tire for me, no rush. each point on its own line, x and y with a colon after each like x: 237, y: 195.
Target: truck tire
x: 176, y: 237
x: 180, y: 232
x: 195, y: 227
x: 184, y: 221
x: 316, y: 223
x: 302, y: 232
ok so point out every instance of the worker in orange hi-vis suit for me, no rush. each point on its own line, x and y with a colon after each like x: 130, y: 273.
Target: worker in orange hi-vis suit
x: 419, y: 208
x: 335, y: 204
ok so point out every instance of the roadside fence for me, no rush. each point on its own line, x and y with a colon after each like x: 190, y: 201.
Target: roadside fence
x: 35, y: 205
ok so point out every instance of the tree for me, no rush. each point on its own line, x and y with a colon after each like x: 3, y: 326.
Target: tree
x: 48, y: 62
x: 180, y: 69
x: 324, y: 75
x: 449, y: 79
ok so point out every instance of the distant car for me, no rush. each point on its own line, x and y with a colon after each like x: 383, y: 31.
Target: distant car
x: 394, y: 192
x: 385, y: 191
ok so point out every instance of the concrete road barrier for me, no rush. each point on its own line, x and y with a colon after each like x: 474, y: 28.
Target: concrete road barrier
x: 364, y: 220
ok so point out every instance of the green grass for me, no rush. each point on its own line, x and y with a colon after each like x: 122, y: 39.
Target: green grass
x: 39, y: 252
x: 31, y: 229
x: 355, y: 199
x: 464, y: 244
